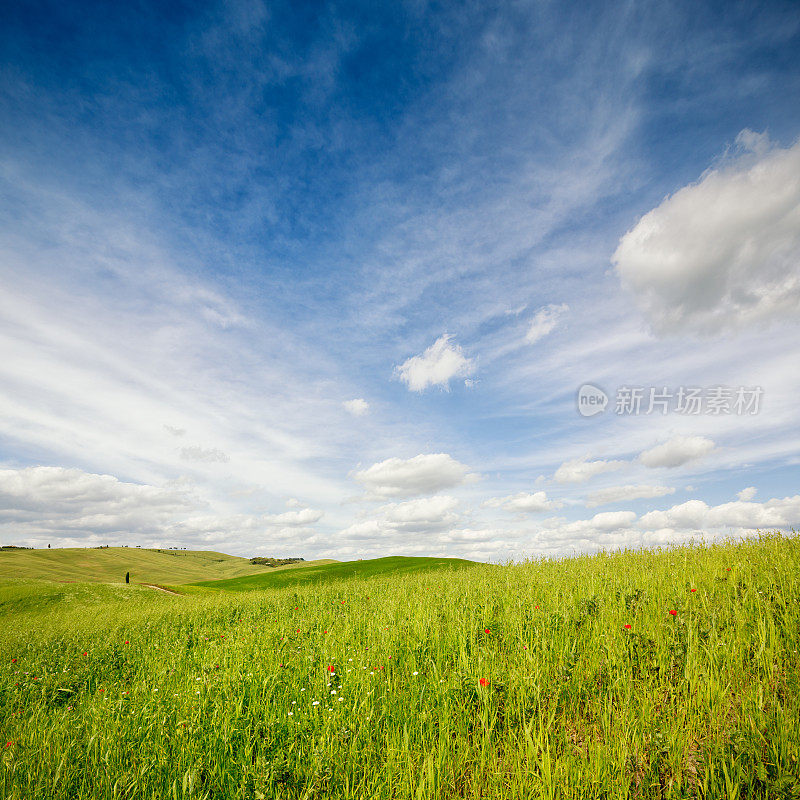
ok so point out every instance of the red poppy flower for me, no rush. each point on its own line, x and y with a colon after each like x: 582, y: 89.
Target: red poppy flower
x: 692, y: 590
x: 127, y: 642
x: 627, y: 627
x: 486, y: 630
x: 483, y: 682
x: 8, y: 744
x: 673, y: 612
x: 331, y: 668
x: 536, y: 607
x: 86, y: 654
x: 13, y: 660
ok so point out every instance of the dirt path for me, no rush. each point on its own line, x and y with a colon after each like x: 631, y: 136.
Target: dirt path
x: 159, y: 588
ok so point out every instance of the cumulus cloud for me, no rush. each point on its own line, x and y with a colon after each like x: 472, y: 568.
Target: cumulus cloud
x: 580, y: 470
x: 722, y: 252
x: 441, y: 362
x: 544, y: 321
x: 428, y: 510
x: 614, y: 494
x: 523, y: 502
x: 695, y: 515
x: 748, y: 493
x: 56, y: 500
x: 357, y: 407
x: 677, y: 451
x: 559, y: 535
x: 693, y: 520
x: 419, y: 516
x: 423, y: 474
x: 209, y: 455
x: 70, y: 507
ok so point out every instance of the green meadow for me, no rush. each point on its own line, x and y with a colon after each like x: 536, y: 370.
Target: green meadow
x: 375, y: 567
x: 652, y: 674
x: 110, y: 564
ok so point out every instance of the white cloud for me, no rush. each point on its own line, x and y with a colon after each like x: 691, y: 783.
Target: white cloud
x: 611, y: 520
x: 693, y: 520
x: 209, y: 455
x: 515, y: 312
x: 401, y: 520
x: 441, y: 362
x: 304, y: 516
x: 614, y: 494
x: 524, y: 502
x: 560, y: 536
x: 357, y: 407
x: 580, y: 469
x: 70, y: 507
x: 722, y: 252
x: 57, y: 501
x: 747, y: 494
x: 677, y: 451
x: 423, y: 474
x: 695, y: 515
x: 544, y: 321
x: 175, y: 431
x: 422, y: 508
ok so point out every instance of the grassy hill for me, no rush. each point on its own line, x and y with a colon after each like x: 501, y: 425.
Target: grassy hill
x: 657, y: 675
x: 371, y: 568
x: 109, y: 565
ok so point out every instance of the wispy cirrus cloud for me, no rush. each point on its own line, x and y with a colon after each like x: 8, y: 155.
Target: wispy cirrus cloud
x: 616, y: 494
x: 579, y: 470
x: 545, y: 321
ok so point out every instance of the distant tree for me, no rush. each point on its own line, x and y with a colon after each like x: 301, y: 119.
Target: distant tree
x: 127, y: 577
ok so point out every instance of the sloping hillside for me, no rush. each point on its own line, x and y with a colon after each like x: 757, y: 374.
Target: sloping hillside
x: 109, y: 565
x: 376, y: 567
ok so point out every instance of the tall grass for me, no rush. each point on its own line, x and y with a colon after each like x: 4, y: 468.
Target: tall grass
x: 372, y: 688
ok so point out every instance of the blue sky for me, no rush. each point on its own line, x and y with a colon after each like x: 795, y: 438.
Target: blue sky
x: 324, y: 280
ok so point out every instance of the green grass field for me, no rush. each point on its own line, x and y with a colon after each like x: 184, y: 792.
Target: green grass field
x: 109, y: 565
x: 569, y: 679
x: 375, y: 567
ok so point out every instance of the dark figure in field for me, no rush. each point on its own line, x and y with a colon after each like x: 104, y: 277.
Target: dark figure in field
x: 127, y: 577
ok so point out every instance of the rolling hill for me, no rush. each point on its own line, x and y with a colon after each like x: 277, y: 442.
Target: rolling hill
x: 313, y: 573
x: 109, y: 565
